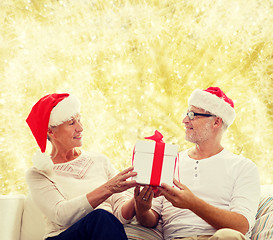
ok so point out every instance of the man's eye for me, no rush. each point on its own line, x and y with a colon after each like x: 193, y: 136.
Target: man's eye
x: 71, y: 122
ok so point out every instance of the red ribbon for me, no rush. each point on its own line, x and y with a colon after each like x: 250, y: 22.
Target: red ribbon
x: 156, y: 137
x: 158, y: 158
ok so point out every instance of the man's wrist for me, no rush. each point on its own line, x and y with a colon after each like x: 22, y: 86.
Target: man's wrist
x: 194, y: 203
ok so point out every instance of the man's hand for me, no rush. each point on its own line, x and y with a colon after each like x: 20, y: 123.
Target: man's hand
x: 216, y: 217
x: 182, y: 198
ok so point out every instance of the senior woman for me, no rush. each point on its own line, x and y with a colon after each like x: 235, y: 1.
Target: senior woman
x: 79, y: 193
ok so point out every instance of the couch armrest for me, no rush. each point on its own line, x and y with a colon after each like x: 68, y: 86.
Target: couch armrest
x: 11, y: 210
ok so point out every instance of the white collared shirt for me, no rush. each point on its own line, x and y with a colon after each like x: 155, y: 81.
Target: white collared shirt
x: 225, y: 180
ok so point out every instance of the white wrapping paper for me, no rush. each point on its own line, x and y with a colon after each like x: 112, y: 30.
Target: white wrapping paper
x: 143, y: 162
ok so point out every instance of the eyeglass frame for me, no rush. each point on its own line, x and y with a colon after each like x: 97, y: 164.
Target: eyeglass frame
x: 192, y: 114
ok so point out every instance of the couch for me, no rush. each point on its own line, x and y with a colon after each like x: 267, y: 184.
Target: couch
x: 21, y: 220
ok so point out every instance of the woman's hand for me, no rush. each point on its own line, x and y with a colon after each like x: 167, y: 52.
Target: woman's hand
x: 143, y: 203
x: 143, y: 198
x: 119, y: 183
x: 115, y: 185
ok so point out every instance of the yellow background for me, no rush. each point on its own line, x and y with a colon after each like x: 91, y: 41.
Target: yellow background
x: 133, y: 65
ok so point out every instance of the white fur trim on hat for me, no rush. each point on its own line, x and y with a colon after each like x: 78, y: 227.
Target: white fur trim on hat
x: 213, y: 104
x: 42, y: 162
x: 64, y: 110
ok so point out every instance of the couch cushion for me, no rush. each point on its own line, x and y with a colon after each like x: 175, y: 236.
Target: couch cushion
x: 11, y: 209
x: 138, y: 232
x: 263, y: 228
x: 33, y: 223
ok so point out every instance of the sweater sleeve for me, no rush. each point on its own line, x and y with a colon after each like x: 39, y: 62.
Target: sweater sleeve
x: 117, y: 199
x: 53, y: 204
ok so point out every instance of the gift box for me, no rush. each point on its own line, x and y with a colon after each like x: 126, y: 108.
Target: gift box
x: 154, y: 161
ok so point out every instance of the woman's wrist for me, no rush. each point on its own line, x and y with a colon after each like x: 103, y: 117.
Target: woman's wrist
x: 108, y: 189
x: 98, y: 196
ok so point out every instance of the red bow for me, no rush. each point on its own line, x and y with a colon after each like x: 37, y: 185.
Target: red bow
x: 156, y: 137
x: 158, y: 159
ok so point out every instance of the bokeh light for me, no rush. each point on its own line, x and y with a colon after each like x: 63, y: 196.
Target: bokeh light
x: 133, y: 65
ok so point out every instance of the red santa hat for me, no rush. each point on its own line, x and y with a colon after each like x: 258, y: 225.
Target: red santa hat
x: 51, y: 110
x: 215, y: 101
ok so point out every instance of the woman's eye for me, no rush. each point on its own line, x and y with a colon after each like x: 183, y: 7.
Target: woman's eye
x: 71, y: 123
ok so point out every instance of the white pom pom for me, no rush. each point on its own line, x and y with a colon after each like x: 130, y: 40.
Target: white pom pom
x: 42, y: 162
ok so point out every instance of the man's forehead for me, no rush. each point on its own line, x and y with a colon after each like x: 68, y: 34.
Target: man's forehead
x: 196, y: 109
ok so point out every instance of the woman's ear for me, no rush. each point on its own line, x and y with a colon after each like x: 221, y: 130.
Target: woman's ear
x: 50, y: 132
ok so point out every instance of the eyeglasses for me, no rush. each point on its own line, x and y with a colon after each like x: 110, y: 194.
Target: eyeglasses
x: 191, y: 115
